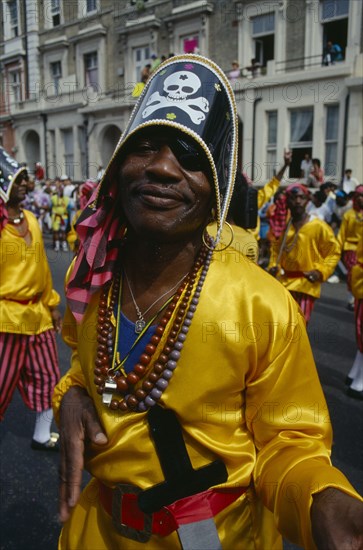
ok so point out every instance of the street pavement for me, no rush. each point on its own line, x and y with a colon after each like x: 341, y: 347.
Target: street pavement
x: 28, y: 478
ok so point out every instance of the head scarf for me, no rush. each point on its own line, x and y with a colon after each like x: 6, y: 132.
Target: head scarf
x: 290, y: 188
x: 191, y: 94
x: 9, y: 171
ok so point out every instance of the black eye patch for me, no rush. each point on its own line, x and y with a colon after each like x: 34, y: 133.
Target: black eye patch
x: 190, y: 157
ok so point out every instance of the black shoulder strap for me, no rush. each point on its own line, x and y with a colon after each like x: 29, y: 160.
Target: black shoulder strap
x: 181, y: 480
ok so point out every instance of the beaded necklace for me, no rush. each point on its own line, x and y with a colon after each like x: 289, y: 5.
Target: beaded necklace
x: 138, y: 389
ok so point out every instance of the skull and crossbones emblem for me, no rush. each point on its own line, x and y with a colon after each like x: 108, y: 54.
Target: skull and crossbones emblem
x: 179, y: 87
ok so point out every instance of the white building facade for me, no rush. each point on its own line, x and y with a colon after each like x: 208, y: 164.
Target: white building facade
x: 68, y: 70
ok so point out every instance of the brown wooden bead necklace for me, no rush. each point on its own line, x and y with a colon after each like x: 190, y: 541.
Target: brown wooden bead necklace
x: 139, y: 390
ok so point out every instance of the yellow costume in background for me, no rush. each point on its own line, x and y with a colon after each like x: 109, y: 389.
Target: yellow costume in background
x: 236, y: 390
x: 72, y: 236
x: 357, y: 272
x: 313, y: 247
x: 59, y: 213
x: 350, y: 230
x: 25, y: 275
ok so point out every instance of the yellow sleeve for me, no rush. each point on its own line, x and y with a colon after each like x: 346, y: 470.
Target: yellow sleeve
x: 74, y: 376
x: 292, y: 433
x: 267, y: 192
x: 50, y: 297
x: 342, y: 234
x: 329, y: 251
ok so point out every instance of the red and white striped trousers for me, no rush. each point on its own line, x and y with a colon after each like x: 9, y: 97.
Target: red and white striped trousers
x: 306, y: 303
x: 29, y: 363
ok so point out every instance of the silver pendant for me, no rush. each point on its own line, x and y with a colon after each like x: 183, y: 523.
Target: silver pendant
x: 110, y: 386
x: 139, y: 326
x: 107, y: 398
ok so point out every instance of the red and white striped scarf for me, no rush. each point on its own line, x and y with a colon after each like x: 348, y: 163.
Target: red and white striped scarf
x: 100, y: 232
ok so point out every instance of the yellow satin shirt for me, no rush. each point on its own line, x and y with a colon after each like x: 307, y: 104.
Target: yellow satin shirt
x: 238, y: 394
x: 350, y: 230
x: 24, y: 274
x: 357, y: 271
x: 314, y: 246
x: 236, y: 237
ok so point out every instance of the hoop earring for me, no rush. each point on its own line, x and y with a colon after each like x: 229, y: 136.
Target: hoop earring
x: 213, y: 248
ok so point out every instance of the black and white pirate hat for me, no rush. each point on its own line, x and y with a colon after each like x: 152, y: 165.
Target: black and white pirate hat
x: 191, y: 94
x: 9, y: 171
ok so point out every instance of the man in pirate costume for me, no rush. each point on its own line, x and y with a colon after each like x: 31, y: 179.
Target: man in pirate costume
x: 350, y: 230
x: 190, y: 361
x: 306, y: 253
x: 28, y: 308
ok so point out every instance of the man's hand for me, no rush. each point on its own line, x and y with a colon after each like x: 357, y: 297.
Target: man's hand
x: 314, y: 276
x: 274, y: 270
x: 337, y: 521
x: 79, y: 424
x: 56, y: 319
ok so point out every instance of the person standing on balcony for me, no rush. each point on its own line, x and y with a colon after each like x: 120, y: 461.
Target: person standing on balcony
x: 235, y: 72
x: 306, y: 166
x: 316, y: 176
x: 349, y: 184
x: 332, y: 53
x: 254, y: 69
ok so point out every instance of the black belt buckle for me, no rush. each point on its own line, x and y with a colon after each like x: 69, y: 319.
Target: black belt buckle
x: 119, y: 491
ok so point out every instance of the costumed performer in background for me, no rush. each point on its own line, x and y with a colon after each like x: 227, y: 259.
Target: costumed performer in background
x: 349, y: 232
x: 29, y: 316
x: 306, y: 253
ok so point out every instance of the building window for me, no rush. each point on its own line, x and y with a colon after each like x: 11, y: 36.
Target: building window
x: 55, y: 12
x: 331, y: 140
x: 301, y: 137
x: 271, y: 144
x: 91, y: 5
x: 141, y: 58
x: 68, y: 152
x: 14, y: 17
x: 91, y: 70
x: 331, y: 9
x: 334, y: 18
x: 263, y: 34
x: 56, y: 75
x: 15, y: 86
x: 82, y: 143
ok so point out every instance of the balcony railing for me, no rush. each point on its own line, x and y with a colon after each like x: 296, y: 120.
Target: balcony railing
x: 301, y: 63
x: 287, y: 65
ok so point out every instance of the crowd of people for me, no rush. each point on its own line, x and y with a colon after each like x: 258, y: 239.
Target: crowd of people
x: 167, y: 416
x: 55, y: 203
